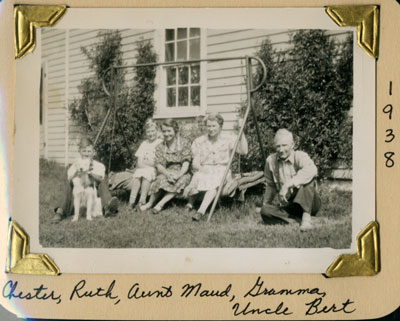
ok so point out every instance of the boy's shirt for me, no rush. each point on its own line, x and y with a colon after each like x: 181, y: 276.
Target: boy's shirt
x: 79, y: 164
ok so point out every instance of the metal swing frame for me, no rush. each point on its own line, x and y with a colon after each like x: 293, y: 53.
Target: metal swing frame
x: 113, y: 95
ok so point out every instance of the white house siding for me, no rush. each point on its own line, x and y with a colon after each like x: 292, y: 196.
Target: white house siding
x: 67, y: 66
x: 226, y: 82
x: 53, y: 54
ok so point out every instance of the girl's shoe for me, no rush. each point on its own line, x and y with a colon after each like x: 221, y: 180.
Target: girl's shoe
x: 139, y: 206
x: 189, y: 207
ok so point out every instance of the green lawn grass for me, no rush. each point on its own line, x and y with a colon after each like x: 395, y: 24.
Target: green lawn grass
x: 233, y: 224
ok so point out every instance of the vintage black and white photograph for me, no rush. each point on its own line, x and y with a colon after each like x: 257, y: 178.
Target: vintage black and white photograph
x: 193, y: 136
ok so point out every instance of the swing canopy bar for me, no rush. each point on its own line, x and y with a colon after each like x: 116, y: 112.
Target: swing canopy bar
x: 187, y: 62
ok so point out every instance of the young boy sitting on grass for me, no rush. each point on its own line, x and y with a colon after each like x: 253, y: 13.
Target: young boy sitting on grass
x: 97, y: 172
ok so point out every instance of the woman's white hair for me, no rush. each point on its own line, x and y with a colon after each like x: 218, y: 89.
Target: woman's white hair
x: 215, y: 117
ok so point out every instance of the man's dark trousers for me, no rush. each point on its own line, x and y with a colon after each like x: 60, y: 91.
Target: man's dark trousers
x: 303, y: 199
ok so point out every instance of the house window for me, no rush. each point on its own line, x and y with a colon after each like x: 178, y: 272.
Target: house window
x: 182, y: 91
x: 183, y: 82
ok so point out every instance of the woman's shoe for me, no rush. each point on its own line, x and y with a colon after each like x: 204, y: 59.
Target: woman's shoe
x: 144, y: 207
x: 156, y: 210
x: 197, y: 216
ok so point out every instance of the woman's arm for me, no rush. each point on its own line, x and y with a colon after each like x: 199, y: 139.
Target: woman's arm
x: 184, y: 169
x: 196, y: 164
x: 159, y: 161
x: 162, y: 170
x: 243, y: 147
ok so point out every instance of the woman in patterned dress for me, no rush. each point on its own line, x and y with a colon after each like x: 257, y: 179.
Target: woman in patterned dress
x: 173, y: 157
x: 211, y: 154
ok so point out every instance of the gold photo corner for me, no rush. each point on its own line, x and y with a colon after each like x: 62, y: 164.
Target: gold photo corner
x: 26, y: 19
x: 366, y: 262
x: 20, y: 261
x: 365, y: 18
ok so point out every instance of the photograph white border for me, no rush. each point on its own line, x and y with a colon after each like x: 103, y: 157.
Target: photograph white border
x: 25, y: 206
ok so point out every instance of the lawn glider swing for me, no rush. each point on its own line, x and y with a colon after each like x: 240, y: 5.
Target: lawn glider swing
x: 250, y: 89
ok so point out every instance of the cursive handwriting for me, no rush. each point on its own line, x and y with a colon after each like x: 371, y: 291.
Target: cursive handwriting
x: 315, y: 308
x: 79, y: 292
x: 259, y: 289
x: 10, y: 291
x: 188, y: 289
x: 134, y: 292
x: 280, y: 309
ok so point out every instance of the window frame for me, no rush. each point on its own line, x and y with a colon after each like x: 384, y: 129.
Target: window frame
x: 162, y: 111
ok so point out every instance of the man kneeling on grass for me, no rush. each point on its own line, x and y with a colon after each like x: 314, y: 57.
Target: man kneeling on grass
x: 97, y: 173
x: 292, y: 175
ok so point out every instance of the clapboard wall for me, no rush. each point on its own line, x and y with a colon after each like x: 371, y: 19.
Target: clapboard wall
x: 54, y: 108
x: 66, y: 66
x: 226, y: 82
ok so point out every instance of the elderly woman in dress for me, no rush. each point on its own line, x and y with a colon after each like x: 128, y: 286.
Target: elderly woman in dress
x: 172, y: 160
x: 211, y: 154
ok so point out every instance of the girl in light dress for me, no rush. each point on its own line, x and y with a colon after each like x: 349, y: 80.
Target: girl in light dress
x: 145, y: 171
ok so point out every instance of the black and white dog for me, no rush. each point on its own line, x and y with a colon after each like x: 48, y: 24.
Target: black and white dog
x: 85, y: 193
